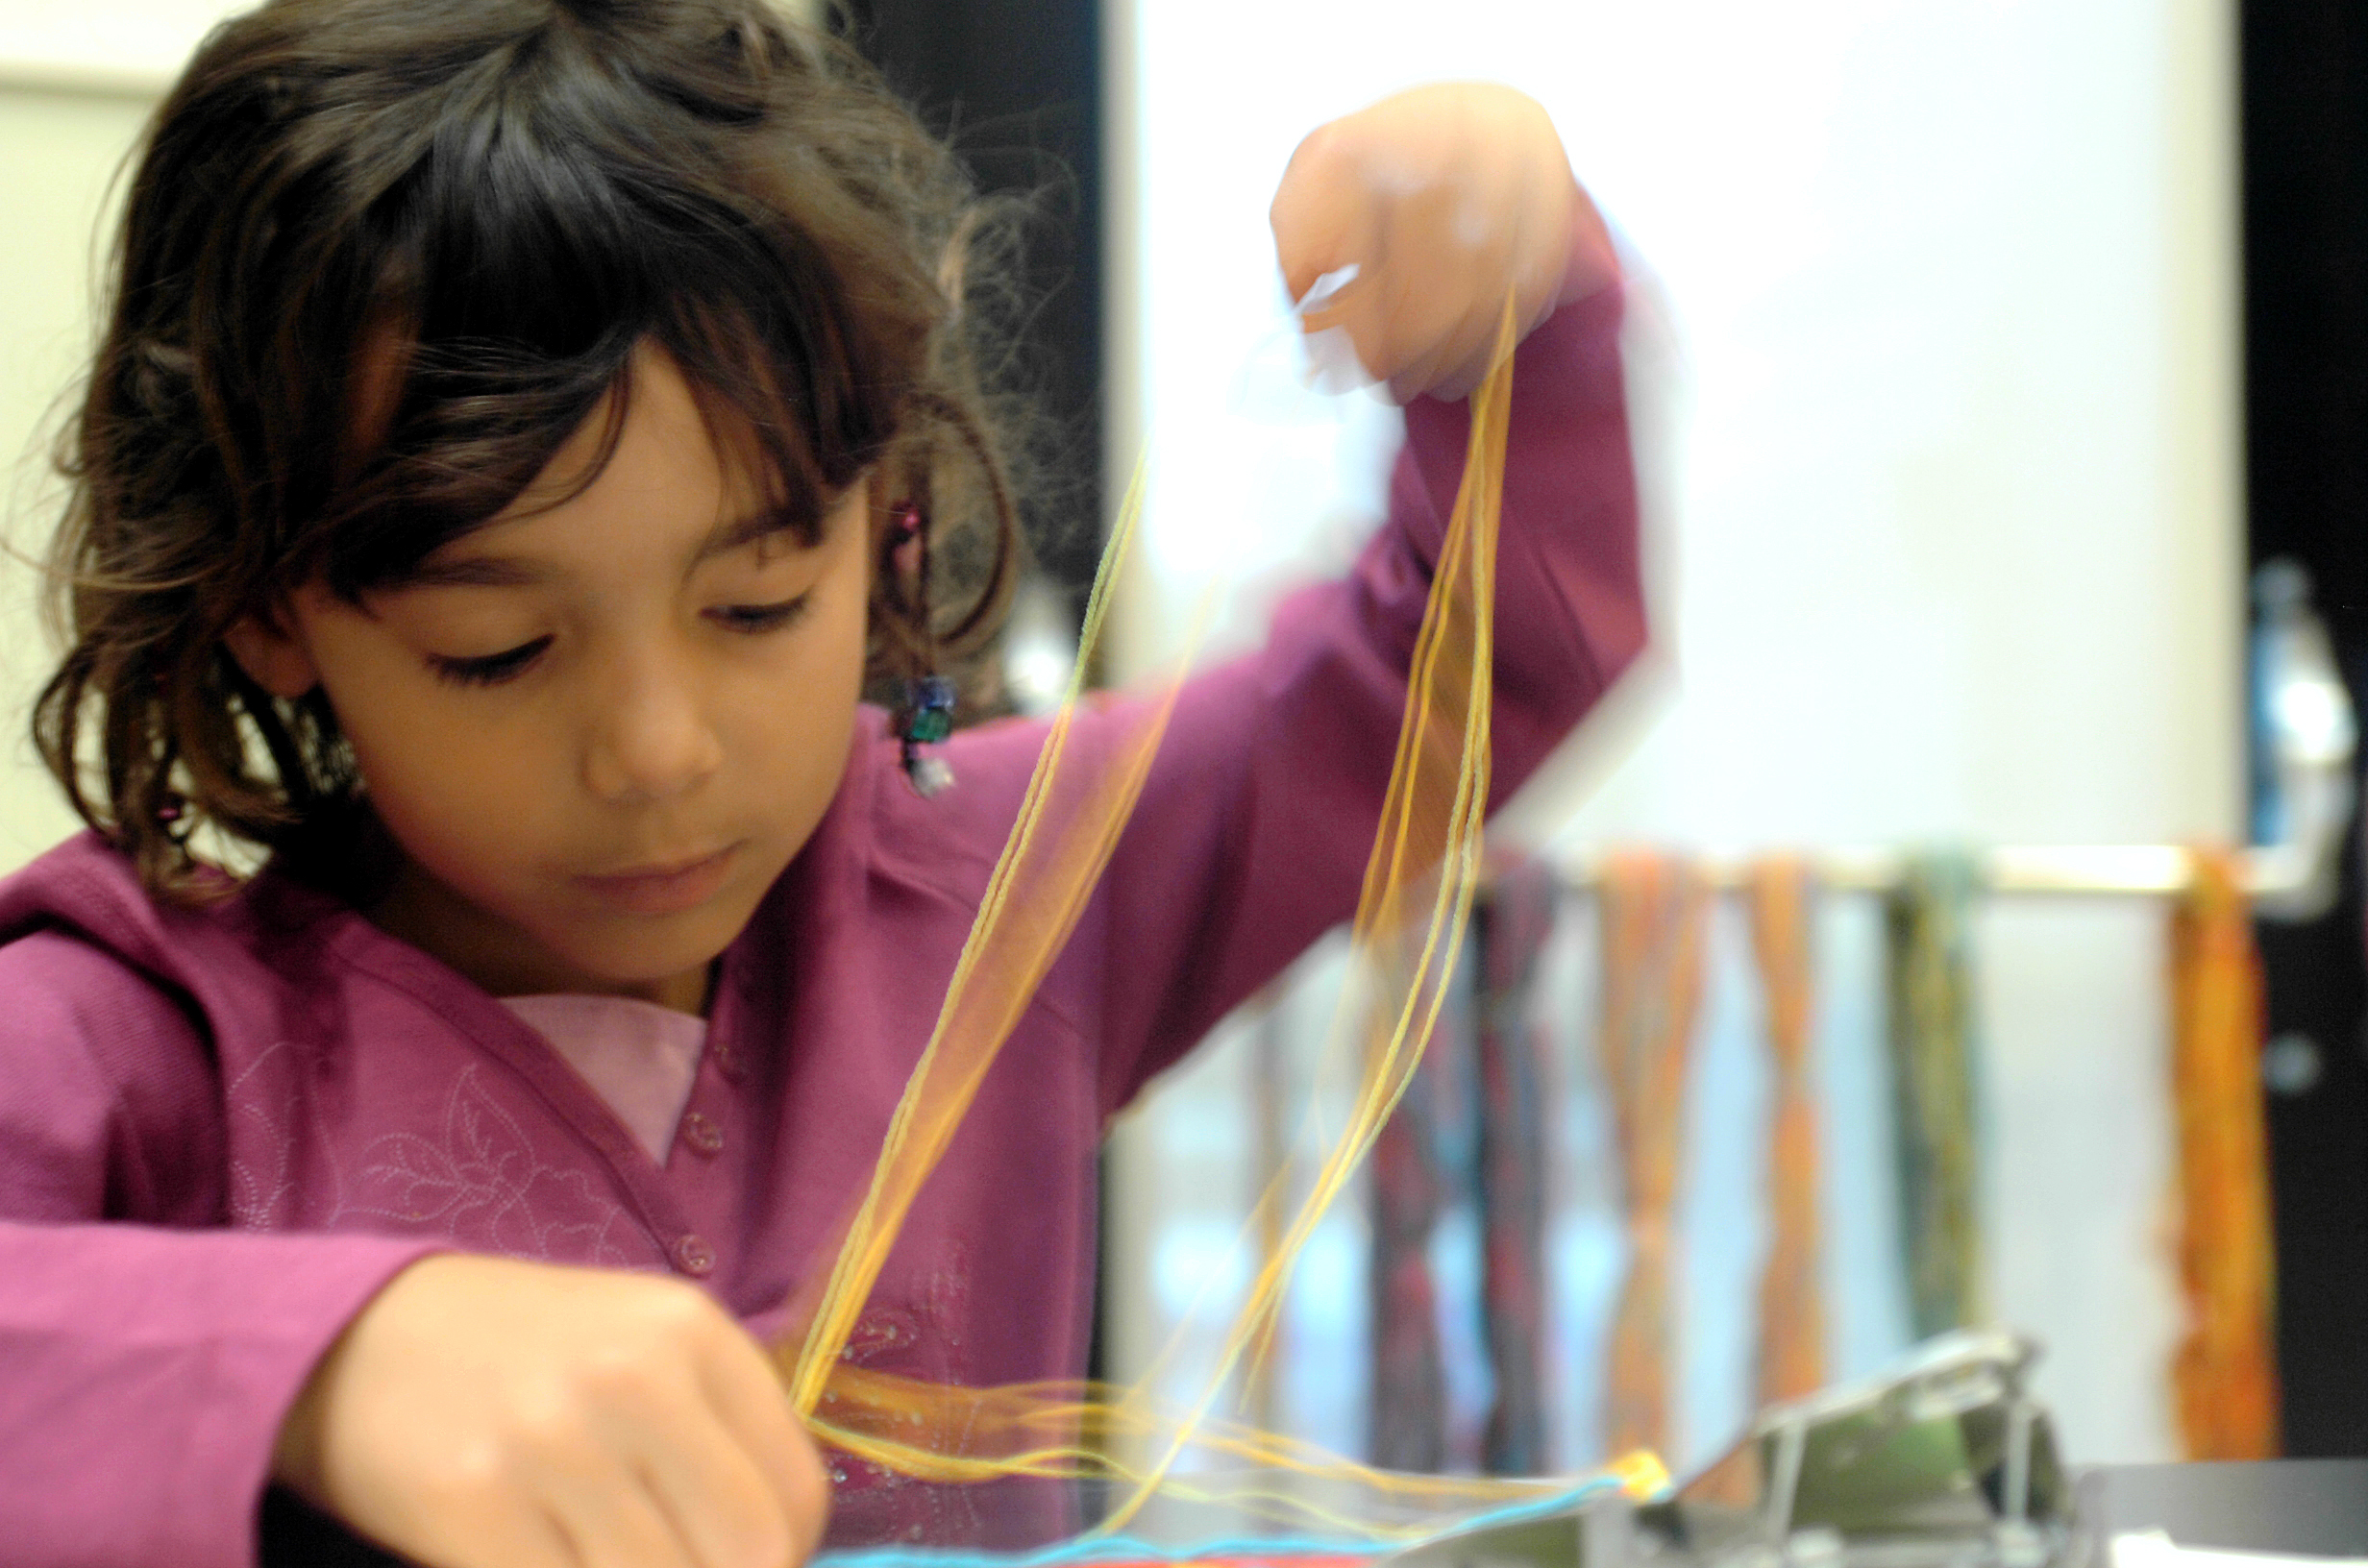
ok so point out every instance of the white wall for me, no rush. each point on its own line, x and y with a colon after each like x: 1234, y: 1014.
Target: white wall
x: 1945, y: 439
x: 129, y: 46
x: 58, y: 152
x: 77, y: 79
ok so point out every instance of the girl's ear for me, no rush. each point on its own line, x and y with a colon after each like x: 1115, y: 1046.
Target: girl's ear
x: 272, y: 658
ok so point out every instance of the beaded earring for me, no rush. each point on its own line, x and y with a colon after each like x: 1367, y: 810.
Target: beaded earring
x: 925, y: 715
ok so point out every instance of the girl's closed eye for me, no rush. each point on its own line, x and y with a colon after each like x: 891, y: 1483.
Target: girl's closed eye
x: 761, y: 617
x: 490, y: 668
x: 497, y: 669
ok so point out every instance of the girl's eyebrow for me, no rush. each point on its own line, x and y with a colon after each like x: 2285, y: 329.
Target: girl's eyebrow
x: 746, y: 530
x: 509, y: 572
x: 472, y: 572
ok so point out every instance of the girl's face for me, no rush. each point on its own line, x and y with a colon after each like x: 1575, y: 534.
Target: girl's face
x: 599, y: 731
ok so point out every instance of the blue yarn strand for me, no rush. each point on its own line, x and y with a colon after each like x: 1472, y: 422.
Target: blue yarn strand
x: 1092, y: 1549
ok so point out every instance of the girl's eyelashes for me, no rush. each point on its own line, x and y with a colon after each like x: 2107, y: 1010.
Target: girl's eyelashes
x: 489, y: 670
x: 756, y: 618
x: 494, y: 669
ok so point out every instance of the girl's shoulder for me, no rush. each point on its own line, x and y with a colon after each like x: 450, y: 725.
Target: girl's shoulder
x: 88, y: 951
x: 944, y: 842
x: 85, y: 897
x: 109, y: 1076
x: 88, y: 888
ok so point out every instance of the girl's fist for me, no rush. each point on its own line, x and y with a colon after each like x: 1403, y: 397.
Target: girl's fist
x: 485, y: 1411
x: 1446, y: 199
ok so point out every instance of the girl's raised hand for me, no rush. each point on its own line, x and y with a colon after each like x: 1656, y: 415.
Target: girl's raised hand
x: 485, y: 1411
x: 1445, y: 199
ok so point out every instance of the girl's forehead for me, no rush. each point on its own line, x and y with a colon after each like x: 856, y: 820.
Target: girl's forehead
x: 648, y: 446
x: 644, y: 481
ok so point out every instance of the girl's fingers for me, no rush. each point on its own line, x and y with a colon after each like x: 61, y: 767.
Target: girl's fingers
x: 720, y: 1509
x: 1416, y: 356
x: 1453, y: 386
x: 483, y: 1412
x: 1450, y: 200
x: 715, y: 1495
x: 1373, y: 309
x: 1415, y: 302
x: 1592, y: 261
x: 1540, y: 252
x: 1321, y: 215
x: 522, y: 1537
x: 610, y: 1519
x: 1448, y: 351
x: 748, y: 1399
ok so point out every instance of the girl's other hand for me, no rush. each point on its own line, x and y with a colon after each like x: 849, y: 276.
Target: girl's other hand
x: 482, y: 1410
x: 1445, y: 198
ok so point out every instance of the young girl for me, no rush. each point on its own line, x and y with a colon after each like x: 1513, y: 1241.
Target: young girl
x: 523, y: 428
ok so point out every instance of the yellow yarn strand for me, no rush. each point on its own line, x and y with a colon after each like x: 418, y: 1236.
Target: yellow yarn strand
x: 1032, y: 901
x: 1424, y: 866
x: 1450, y: 686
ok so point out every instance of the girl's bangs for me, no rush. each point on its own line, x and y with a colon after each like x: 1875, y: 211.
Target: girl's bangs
x: 528, y: 253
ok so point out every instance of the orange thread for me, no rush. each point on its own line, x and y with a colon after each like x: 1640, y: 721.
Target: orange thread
x: 1653, y: 909
x: 2223, y: 1372
x: 1780, y: 895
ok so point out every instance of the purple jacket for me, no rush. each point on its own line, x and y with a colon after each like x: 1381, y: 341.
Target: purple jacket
x: 222, y: 1130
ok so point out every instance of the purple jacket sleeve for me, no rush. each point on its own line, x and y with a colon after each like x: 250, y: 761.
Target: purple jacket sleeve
x: 1295, y: 743
x: 146, y: 1359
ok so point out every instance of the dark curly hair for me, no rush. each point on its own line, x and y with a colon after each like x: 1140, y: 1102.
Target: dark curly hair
x: 492, y: 202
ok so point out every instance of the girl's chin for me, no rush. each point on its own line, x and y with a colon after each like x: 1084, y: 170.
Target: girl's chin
x: 633, y: 951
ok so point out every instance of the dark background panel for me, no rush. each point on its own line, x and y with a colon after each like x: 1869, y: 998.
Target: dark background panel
x: 2304, y: 74
x: 1016, y: 85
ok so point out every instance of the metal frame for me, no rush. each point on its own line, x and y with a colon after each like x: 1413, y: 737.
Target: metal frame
x: 2152, y: 870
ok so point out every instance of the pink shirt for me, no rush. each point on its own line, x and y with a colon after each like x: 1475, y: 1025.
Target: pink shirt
x: 222, y: 1130
x: 639, y: 1058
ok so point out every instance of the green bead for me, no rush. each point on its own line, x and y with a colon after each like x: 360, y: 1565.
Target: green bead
x: 930, y: 726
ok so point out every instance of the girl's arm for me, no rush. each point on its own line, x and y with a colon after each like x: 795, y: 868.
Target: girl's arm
x: 1251, y: 834
x: 145, y: 1355
x: 157, y: 1369
x: 143, y: 1373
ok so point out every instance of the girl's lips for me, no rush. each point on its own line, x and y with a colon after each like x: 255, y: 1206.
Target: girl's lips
x: 663, y: 890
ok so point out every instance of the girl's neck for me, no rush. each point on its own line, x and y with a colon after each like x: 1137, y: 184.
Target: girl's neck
x: 504, y: 960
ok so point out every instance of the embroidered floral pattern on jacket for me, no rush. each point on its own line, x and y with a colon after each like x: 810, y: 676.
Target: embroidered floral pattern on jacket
x: 261, y: 1103
x: 480, y: 1182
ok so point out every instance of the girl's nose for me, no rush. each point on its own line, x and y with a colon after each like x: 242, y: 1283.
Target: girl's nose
x: 650, y: 737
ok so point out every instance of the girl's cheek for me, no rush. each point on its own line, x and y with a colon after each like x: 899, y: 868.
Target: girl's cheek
x: 455, y: 760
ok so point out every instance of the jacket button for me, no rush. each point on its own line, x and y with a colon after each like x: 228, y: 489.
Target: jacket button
x: 701, y: 1133
x: 692, y: 1256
